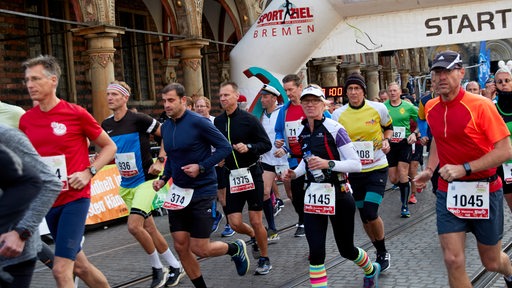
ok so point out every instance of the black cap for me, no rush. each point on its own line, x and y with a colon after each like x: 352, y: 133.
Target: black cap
x: 447, y: 60
x: 355, y: 78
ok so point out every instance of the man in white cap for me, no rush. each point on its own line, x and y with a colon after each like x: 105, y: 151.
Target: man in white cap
x: 273, y: 162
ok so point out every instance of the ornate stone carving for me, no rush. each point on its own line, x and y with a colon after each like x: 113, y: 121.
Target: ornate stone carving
x: 101, y: 59
x: 193, y: 64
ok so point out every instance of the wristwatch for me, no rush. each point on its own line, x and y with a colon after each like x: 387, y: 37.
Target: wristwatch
x: 249, y: 146
x: 467, y: 167
x: 92, y: 169
x: 201, y: 169
x: 161, y: 159
x: 331, y: 164
x: 23, y: 232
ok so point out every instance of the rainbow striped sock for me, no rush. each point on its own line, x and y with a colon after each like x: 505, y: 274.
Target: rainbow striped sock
x: 318, y: 276
x: 364, y: 262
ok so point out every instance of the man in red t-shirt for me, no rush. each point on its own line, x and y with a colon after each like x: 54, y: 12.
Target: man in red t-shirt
x: 60, y: 131
x: 469, y: 141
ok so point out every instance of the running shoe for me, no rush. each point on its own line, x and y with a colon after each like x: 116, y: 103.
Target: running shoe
x: 264, y: 266
x: 216, y: 221
x: 159, y: 277
x: 419, y: 190
x: 277, y: 209
x: 300, y: 232
x: 280, y: 202
x: 372, y: 281
x: 175, y: 275
x: 405, y: 213
x: 241, y: 258
x: 272, y: 236
x: 228, y: 231
x: 412, y: 199
x: 383, y: 258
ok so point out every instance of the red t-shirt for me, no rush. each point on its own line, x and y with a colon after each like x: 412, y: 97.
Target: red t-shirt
x: 294, y: 113
x: 63, y: 131
x: 465, y: 129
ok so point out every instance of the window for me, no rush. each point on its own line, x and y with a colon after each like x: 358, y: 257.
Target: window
x: 49, y: 37
x: 136, y: 56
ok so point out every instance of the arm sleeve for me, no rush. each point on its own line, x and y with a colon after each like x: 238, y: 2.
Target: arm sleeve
x: 349, y: 161
x: 218, y: 141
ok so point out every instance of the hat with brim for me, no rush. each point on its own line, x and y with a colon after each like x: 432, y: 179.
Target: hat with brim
x: 267, y: 89
x: 447, y: 60
x: 313, y: 91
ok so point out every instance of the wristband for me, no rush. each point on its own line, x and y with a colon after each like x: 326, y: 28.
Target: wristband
x: 163, y: 178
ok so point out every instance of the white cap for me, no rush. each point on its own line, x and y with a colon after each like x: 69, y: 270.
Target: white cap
x: 271, y: 90
x: 313, y: 90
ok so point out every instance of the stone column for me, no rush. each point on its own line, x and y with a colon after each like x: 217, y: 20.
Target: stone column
x: 169, y: 65
x: 191, y: 63
x: 372, y: 81
x: 100, y: 42
x: 328, y: 71
x: 404, y: 78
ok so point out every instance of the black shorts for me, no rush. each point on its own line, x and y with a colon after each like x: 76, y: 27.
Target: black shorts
x: 399, y: 152
x: 418, y: 153
x: 196, y: 218
x: 221, y: 180
x: 235, y: 202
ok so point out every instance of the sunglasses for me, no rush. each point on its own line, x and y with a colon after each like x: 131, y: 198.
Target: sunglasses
x: 503, y: 81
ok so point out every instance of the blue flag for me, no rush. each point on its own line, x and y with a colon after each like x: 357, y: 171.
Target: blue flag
x: 484, y: 70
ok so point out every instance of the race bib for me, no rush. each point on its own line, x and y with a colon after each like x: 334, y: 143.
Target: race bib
x: 240, y: 180
x: 507, y: 172
x: 292, y: 130
x: 126, y: 164
x: 365, y: 151
x: 320, y: 199
x: 468, y: 200
x: 58, y: 165
x: 398, y: 134
x: 177, y: 197
x: 281, y: 169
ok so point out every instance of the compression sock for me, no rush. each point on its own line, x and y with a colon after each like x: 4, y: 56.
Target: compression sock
x: 268, y: 209
x: 170, y: 259
x: 318, y: 276
x: 380, y: 245
x: 405, y: 193
x: 364, y: 262
x: 199, y: 282
x: 227, y: 218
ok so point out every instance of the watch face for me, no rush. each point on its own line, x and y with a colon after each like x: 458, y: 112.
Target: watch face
x: 93, y: 170
x: 331, y: 164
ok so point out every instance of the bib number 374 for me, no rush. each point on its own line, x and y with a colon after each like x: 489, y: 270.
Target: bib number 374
x: 468, y: 200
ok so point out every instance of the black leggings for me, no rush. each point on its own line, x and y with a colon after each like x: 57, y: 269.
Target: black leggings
x: 297, y: 187
x: 342, y: 226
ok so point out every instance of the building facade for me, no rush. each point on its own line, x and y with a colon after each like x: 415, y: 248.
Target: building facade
x: 150, y: 43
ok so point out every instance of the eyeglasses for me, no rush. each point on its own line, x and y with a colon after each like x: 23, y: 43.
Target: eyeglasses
x: 503, y: 81
x: 32, y: 79
x: 201, y: 106
x: 354, y: 89
x: 311, y: 101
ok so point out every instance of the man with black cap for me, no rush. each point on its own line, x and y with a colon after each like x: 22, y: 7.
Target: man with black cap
x: 328, y: 156
x: 372, y: 144
x: 470, y: 140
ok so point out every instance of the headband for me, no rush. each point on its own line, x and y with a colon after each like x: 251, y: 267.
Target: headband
x: 119, y: 89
